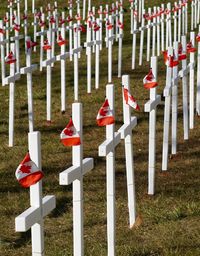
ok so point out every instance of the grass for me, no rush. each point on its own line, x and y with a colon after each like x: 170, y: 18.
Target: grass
x: 168, y: 223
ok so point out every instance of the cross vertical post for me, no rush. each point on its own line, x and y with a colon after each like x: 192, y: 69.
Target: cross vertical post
x: 150, y: 107
x: 167, y: 95
x: 126, y: 134
x: 74, y: 175
x: 39, y: 207
x: 107, y: 148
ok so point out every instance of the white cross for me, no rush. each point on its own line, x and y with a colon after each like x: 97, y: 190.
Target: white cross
x: 62, y: 58
x: 150, y: 107
x: 168, y: 27
x: 142, y: 28
x: 135, y: 31
x: 184, y: 75
x: 149, y: 35
x: 191, y: 84
x: 110, y: 39
x: 120, y: 38
x: 98, y: 44
x: 7, y: 29
x: 154, y: 33
x: 40, y: 207
x: 107, y: 149
x: 167, y: 95
x: 11, y: 81
x: 71, y: 28
x: 41, y: 34
x: 198, y: 80
x: 2, y: 45
x: 75, y: 52
x: 17, y: 38
x: 28, y: 71
x: 175, y: 102
x: 47, y: 63
x: 126, y: 133
x: 75, y: 175
x: 88, y: 44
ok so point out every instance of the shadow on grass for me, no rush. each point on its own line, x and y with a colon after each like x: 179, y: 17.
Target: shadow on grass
x: 63, y: 204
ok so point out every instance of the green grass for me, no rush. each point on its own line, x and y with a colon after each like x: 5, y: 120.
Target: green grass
x: 168, y: 223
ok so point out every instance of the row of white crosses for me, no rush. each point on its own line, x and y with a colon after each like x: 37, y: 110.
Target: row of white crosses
x: 171, y: 94
x: 157, y: 21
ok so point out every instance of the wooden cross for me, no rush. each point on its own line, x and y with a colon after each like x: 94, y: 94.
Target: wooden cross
x: 149, y: 35
x: 142, y: 28
x: 184, y: 75
x: 75, y: 175
x: 120, y: 38
x: 126, y: 134
x: 150, y: 107
x: 175, y: 101
x: 2, y: 45
x: 40, y: 207
x: 47, y: 63
x: 198, y: 79
x: 89, y: 44
x: 168, y: 27
x: 98, y: 44
x: 135, y: 31
x: 11, y: 81
x: 110, y: 39
x: 41, y: 34
x: 28, y: 71
x: 75, y: 52
x: 62, y: 58
x: 16, y: 39
x: 107, y: 149
x: 167, y: 95
x: 191, y: 84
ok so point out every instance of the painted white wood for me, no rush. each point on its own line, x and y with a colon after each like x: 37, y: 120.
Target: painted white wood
x: 167, y: 95
x: 88, y: 46
x: 179, y: 24
x: 39, y: 208
x: 174, y: 102
x: 148, y: 35
x: 154, y: 33
x: 74, y: 175
x: 2, y: 46
x: 98, y: 44
x: 47, y: 63
x: 71, y: 31
x: 191, y: 84
x: 134, y: 40
x: 176, y: 16
x: 185, y: 93
x: 154, y: 101
x: 126, y: 134
x: 186, y: 18
x: 183, y: 20
x: 7, y: 28
x: 33, y: 6
x: 120, y: 39
x: 142, y: 39
x: 110, y: 39
x: 28, y: 71
x: 162, y: 28
x: 75, y: 52
x: 192, y: 15
x: 158, y: 32
x: 112, y: 139
x: 198, y: 79
x: 101, y: 25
